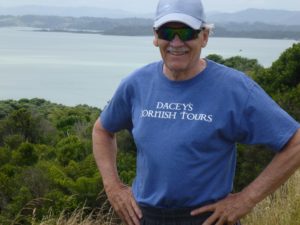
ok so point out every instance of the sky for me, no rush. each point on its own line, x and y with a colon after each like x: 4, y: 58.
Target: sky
x: 148, y: 6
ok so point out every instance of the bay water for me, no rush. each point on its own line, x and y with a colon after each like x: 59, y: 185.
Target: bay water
x: 74, y: 69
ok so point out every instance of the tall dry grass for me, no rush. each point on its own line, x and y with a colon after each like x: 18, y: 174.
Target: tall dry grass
x: 280, y: 208
x: 79, y: 217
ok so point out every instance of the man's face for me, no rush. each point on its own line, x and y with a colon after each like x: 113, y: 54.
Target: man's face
x: 181, y: 56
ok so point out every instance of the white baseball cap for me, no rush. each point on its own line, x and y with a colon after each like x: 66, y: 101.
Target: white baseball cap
x: 189, y: 12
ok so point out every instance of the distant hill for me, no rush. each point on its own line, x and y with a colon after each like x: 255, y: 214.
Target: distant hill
x: 251, y: 23
x: 70, y: 11
x: 274, y: 17
x: 142, y: 27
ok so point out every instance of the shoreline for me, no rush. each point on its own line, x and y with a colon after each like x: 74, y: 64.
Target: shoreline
x: 143, y: 35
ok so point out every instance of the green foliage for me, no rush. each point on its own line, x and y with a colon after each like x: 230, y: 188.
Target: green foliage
x: 284, y: 74
x: 287, y: 69
x: 251, y: 161
x: 45, y: 152
x: 243, y: 64
x: 126, y: 163
x: 5, y: 191
x: 87, y: 189
x: 59, y: 178
x: 290, y: 100
x: 72, y: 170
x: 88, y: 167
x: 45, y: 159
x: 18, y: 202
x: 21, y: 121
x: 36, y: 180
x: 239, y: 63
x: 125, y: 141
x: 13, y: 141
x: 25, y: 155
x: 70, y: 148
x: 5, y: 155
x: 216, y: 58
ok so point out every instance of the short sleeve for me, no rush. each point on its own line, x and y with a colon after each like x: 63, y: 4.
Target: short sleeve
x: 116, y: 115
x: 265, y: 122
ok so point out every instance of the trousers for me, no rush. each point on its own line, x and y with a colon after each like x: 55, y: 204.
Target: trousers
x: 158, y: 216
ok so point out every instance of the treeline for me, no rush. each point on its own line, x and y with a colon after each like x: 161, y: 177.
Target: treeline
x: 143, y: 27
x: 46, y: 161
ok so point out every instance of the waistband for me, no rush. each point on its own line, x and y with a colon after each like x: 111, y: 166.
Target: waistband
x: 172, y: 214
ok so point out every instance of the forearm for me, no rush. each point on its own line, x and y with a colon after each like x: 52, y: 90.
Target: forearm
x: 105, y: 152
x: 119, y: 195
x: 276, y: 173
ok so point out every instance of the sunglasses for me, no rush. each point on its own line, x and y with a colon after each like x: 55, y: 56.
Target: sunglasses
x: 184, y: 33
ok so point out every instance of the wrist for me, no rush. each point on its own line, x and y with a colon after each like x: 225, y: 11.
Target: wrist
x: 250, y: 197
x: 112, y: 184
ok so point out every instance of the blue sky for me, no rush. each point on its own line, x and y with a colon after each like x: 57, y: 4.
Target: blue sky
x: 148, y: 6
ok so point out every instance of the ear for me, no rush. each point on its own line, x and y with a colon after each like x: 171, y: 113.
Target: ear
x: 205, y: 38
x: 155, y: 40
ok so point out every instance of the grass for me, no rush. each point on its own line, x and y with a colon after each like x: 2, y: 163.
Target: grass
x: 280, y: 208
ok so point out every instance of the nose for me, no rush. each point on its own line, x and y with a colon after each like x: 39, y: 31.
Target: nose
x: 176, y: 41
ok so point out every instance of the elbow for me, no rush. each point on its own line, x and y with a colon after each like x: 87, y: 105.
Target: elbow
x: 100, y: 131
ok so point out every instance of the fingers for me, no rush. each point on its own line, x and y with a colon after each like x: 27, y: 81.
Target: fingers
x: 225, y: 212
x: 136, y: 208
x: 124, y: 204
x: 129, y: 216
x: 207, y: 208
x: 132, y: 214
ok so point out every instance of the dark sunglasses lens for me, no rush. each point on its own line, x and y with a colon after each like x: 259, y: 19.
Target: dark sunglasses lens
x: 185, y: 34
x: 166, y: 33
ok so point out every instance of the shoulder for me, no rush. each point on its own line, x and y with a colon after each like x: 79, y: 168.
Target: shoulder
x: 229, y: 77
x: 228, y: 72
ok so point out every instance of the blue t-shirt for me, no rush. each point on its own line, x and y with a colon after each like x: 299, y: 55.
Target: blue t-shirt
x: 186, y: 131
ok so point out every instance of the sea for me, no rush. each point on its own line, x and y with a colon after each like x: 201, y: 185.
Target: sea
x: 79, y: 68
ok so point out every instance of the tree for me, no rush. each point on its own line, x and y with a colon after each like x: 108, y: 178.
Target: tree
x: 13, y: 141
x: 70, y: 148
x: 243, y: 64
x: 25, y: 155
x: 284, y: 73
x: 216, y: 58
x: 5, y: 155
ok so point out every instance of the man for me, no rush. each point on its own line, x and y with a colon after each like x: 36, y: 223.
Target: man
x: 186, y: 115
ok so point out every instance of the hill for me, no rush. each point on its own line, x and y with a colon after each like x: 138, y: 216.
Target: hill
x: 68, y: 11
x: 143, y: 27
x: 273, y: 17
x: 252, y: 16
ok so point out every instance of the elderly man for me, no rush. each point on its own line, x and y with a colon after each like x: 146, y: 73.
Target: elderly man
x: 186, y: 114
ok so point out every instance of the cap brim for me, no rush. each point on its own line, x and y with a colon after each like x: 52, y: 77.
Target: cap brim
x: 178, y: 17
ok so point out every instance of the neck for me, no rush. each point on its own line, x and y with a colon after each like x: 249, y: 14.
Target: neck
x: 178, y: 75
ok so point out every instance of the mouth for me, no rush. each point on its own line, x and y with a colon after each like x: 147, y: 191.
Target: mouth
x: 177, y: 51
